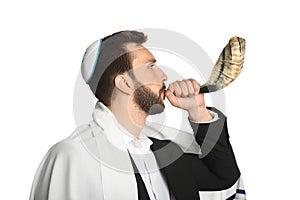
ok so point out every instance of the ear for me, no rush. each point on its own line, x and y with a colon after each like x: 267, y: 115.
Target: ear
x: 122, y: 83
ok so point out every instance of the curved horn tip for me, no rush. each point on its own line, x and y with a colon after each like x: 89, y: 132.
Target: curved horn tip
x: 236, y: 38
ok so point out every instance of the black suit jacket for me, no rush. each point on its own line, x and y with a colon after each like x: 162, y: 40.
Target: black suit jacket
x: 186, y: 174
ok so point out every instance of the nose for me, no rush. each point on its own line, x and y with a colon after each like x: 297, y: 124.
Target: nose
x: 164, y: 77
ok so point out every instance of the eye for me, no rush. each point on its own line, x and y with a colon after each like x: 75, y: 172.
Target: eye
x: 152, y: 65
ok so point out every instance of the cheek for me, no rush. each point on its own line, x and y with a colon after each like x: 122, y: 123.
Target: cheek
x: 144, y: 77
x: 149, y: 80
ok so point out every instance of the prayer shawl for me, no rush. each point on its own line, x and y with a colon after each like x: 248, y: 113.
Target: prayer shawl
x: 93, y: 163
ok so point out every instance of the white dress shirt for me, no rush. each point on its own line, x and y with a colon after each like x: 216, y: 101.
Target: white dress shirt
x: 147, y: 166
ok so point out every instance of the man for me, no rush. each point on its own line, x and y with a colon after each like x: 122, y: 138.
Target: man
x: 119, y: 156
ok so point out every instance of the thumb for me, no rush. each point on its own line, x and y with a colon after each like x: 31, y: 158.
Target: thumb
x: 172, y: 98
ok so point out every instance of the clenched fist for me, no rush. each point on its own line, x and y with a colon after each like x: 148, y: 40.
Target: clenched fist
x: 185, y: 95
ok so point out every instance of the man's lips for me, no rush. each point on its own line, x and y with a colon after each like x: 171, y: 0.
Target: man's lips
x: 162, y: 90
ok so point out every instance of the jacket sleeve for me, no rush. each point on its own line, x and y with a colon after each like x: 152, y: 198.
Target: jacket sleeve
x: 217, y: 153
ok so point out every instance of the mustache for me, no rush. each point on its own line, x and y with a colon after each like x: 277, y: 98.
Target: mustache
x: 163, y: 88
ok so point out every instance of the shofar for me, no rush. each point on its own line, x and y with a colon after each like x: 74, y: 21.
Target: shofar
x: 228, y: 66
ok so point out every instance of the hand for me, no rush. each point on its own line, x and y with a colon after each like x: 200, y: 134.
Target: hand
x: 185, y: 95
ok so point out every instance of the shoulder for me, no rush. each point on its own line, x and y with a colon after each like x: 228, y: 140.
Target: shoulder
x: 71, y: 146
x: 64, y: 168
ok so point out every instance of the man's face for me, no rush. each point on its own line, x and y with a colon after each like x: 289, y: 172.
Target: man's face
x: 149, y: 80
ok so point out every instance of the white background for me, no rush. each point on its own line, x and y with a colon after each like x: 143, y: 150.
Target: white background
x: 42, y: 44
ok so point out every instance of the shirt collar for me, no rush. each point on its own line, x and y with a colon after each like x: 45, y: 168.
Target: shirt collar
x: 142, y: 142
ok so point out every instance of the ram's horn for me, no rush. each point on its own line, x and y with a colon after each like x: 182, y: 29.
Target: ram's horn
x: 228, y: 66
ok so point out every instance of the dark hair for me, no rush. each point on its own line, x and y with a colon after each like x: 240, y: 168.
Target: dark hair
x: 113, y: 59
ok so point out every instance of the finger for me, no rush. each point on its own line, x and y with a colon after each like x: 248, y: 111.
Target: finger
x: 177, y: 89
x: 171, y: 87
x: 196, y: 85
x: 184, y: 88
x: 190, y: 87
x: 172, y: 98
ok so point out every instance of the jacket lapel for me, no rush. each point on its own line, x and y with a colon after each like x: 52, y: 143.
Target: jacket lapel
x: 174, y: 167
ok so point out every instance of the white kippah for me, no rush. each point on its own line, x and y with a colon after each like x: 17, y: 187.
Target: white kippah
x: 89, y: 60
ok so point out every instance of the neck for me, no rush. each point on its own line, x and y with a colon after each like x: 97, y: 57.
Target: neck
x: 130, y: 116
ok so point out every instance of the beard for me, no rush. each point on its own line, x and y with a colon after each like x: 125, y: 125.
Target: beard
x: 148, y: 101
